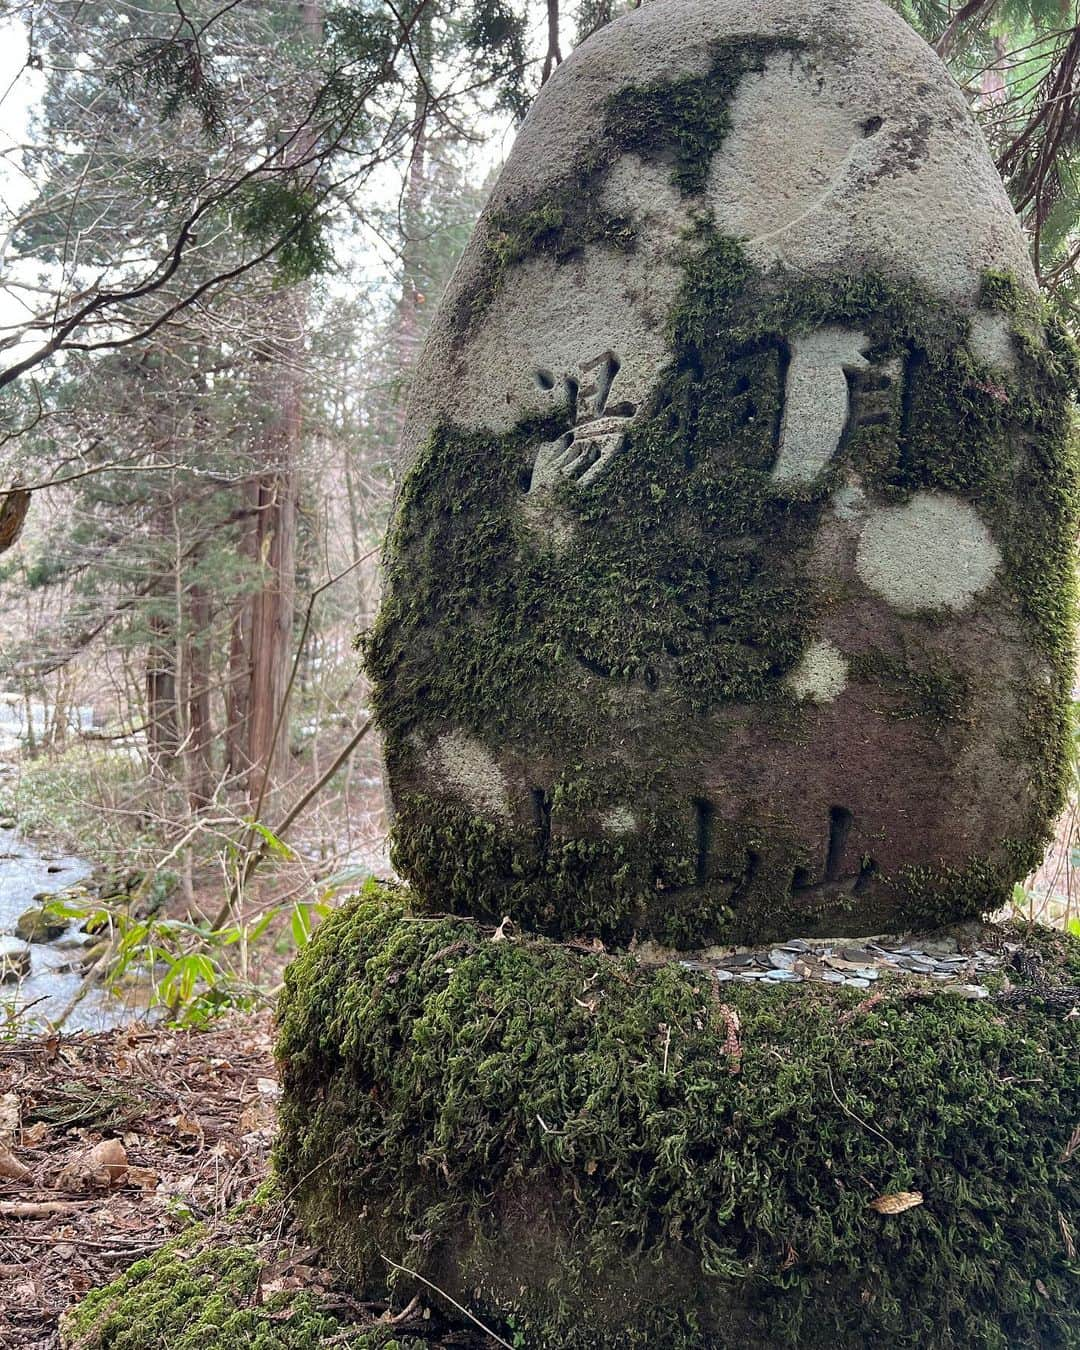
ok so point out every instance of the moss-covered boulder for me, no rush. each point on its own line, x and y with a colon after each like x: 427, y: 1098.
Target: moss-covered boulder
x: 729, y: 585
x: 591, y: 1153
x: 40, y: 923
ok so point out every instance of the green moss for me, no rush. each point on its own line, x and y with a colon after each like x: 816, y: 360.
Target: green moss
x: 200, y: 1294
x: 476, y: 866
x: 683, y: 121
x: 686, y: 120
x: 601, y: 1155
x: 561, y: 224
x: 930, y: 896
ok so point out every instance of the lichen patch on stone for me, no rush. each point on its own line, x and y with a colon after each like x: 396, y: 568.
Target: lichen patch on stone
x: 991, y: 340
x: 933, y: 552
x: 618, y: 820
x: 821, y: 675
x: 466, y: 767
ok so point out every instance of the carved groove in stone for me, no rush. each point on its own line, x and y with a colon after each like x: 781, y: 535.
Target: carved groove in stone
x: 816, y: 401
x: 745, y: 883
x: 840, y: 819
x: 541, y: 804
x: 873, y: 396
x: 704, y: 812
x: 835, y: 879
x: 597, y: 432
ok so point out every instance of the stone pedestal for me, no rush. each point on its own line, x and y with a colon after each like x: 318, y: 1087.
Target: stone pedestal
x: 590, y: 1154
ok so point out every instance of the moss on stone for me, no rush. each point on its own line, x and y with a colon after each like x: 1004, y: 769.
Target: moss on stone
x: 685, y: 579
x: 924, y: 686
x: 41, y: 923
x: 594, y: 1154
x: 201, y: 1293
x: 683, y: 121
x: 686, y: 120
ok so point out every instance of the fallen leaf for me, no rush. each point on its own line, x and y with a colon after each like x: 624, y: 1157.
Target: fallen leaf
x: 103, y: 1165
x: 257, y: 1115
x: 144, y: 1177
x: 34, y: 1134
x: 897, y: 1202
x: 189, y: 1126
x: 110, y: 1156
x: 11, y: 1167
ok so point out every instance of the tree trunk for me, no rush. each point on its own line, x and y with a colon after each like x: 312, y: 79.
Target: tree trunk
x: 200, y: 731
x: 160, y: 697
x: 238, y: 692
x: 273, y: 604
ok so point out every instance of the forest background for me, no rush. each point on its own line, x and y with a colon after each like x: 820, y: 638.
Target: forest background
x: 224, y: 230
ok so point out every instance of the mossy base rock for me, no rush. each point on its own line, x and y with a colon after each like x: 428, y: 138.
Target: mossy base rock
x: 729, y: 583
x: 592, y: 1154
x: 204, y: 1292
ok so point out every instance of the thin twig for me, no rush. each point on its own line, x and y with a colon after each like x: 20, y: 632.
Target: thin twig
x: 857, y: 1119
x: 39, y: 1209
x: 453, y: 1301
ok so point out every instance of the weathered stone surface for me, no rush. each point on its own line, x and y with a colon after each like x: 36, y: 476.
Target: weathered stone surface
x: 728, y: 589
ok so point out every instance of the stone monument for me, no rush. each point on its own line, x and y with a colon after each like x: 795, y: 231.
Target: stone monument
x: 727, y: 589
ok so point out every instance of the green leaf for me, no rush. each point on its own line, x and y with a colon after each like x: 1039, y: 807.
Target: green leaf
x: 277, y: 846
x: 301, y: 924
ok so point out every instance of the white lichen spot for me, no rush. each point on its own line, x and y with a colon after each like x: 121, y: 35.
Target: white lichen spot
x: 618, y: 820
x: 933, y: 552
x: 821, y: 675
x: 849, y: 502
x: 466, y: 767
x: 816, y: 401
x: 990, y: 340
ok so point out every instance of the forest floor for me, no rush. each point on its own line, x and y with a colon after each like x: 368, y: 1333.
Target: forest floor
x: 112, y: 1143
x: 190, y: 1116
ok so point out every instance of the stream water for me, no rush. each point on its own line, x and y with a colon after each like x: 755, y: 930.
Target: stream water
x: 55, y: 975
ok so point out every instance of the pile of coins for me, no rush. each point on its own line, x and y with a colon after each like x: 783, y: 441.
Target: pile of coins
x: 855, y: 964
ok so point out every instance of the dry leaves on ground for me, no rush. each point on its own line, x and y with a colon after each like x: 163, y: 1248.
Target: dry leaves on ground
x: 110, y: 1144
